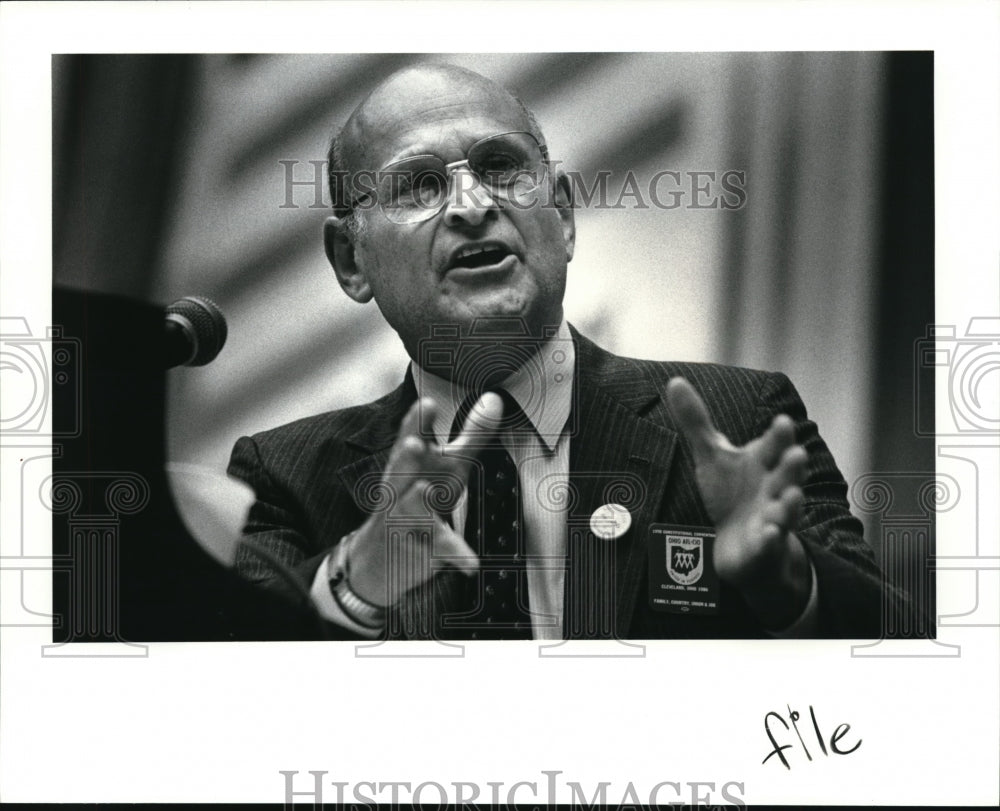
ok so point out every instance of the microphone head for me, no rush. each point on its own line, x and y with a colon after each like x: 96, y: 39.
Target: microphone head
x: 203, y: 326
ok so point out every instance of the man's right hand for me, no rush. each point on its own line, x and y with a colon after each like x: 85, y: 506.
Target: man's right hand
x: 416, y: 464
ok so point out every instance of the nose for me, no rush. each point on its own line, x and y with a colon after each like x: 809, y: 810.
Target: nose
x: 469, y: 202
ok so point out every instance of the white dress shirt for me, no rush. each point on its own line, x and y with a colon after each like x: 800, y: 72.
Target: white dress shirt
x: 543, y: 388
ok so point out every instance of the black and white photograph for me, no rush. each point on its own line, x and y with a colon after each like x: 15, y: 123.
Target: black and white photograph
x: 580, y: 366
x: 732, y: 213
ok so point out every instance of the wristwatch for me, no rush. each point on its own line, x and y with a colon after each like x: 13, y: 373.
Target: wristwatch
x: 357, y: 608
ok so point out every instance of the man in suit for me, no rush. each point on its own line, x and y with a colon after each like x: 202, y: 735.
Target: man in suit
x: 522, y: 482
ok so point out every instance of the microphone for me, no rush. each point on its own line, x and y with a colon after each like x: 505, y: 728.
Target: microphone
x: 196, y: 332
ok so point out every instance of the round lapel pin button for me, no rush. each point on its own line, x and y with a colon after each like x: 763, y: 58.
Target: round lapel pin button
x: 610, y: 521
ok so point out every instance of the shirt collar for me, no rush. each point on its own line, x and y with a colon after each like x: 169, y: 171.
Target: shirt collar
x: 543, y: 388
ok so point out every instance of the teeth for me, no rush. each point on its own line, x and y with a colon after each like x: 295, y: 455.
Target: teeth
x: 466, y: 252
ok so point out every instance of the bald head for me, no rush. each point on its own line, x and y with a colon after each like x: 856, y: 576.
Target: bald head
x: 437, y: 94
x: 487, y: 251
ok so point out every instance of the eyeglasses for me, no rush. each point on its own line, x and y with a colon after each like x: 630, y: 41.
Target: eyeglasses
x: 509, y: 166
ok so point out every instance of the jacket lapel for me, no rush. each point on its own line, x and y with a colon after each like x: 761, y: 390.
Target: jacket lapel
x: 374, y: 439
x: 620, y: 452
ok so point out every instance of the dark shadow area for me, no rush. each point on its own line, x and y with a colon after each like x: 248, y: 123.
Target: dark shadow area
x: 905, y: 310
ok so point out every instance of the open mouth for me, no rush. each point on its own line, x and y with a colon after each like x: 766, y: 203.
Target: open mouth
x: 487, y: 254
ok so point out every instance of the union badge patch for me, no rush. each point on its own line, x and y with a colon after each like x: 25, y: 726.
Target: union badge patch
x: 685, y: 559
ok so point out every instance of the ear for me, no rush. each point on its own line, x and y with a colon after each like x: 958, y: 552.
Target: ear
x: 339, y: 244
x: 564, y: 207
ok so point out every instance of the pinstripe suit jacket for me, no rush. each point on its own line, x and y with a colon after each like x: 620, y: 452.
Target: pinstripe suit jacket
x: 311, y: 477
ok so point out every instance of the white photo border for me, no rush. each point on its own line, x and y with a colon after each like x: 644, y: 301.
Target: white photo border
x: 197, y: 722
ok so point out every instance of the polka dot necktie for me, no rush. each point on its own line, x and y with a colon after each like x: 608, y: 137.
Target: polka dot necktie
x: 497, y: 598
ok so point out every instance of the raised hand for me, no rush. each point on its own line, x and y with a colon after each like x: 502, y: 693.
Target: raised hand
x: 415, y: 465
x: 754, y: 497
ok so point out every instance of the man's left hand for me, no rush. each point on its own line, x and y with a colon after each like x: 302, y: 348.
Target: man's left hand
x: 754, y: 497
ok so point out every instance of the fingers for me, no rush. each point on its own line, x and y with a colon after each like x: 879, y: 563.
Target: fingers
x: 415, y: 452
x: 790, y: 471
x: 419, y: 420
x: 694, y: 420
x: 447, y: 547
x: 783, y: 487
x: 409, y: 443
x: 427, y: 411
x: 451, y: 549
x: 406, y: 460
x: 415, y: 420
x: 386, y: 563
x: 482, y: 423
x: 775, y: 440
x: 696, y: 424
x: 783, y: 512
x: 414, y: 460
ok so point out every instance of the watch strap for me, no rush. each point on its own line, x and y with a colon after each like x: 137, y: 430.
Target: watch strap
x: 357, y: 608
